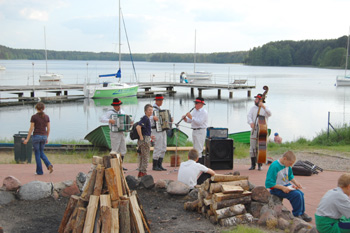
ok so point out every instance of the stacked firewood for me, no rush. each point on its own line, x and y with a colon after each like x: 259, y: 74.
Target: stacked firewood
x: 222, y: 199
x: 106, y: 203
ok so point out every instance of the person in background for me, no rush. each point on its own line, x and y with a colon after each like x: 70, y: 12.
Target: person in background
x: 144, y: 143
x: 277, y: 139
x: 333, y: 212
x: 280, y: 180
x: 182, y: 77
x: 199, y: 123
x: 40, y: 127
x: 118, y: 143
x: 160, y: 138
x: 193, y: 173
x: 186, y: 81
x: 253, y: 122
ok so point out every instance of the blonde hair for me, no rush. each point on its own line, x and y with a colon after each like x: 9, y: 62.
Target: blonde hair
x: 289, y: 155
x: 344, y: 180
x: 193, y: 154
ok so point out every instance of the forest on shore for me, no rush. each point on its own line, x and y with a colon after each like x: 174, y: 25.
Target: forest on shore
x: 330, y: 53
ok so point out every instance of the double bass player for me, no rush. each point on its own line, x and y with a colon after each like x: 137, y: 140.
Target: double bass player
x: 259, y: 109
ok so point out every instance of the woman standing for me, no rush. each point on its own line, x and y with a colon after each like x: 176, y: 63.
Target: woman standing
x: 40, y: 124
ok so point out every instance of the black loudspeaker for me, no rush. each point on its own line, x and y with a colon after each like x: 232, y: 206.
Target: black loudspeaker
x: 219, y: 154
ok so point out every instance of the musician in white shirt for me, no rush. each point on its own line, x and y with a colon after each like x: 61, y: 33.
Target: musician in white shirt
x: 160, y: 137
x: 253, y: 122
x: 199, y: 123
x: 117, y: 138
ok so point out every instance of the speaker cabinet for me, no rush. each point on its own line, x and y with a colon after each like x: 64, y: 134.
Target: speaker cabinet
x: 219, y: 154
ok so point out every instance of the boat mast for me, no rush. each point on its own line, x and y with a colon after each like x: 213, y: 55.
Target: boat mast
x: 45, y: 48
x: 347, y: 54
x: 120, y: 56
x: 194, y: 57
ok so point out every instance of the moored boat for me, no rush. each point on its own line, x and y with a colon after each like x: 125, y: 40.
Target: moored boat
x: 2, y: 67
x: 100, y: 137
x: 110, y: 90
x: 344, y: 80
x: 243, y: 137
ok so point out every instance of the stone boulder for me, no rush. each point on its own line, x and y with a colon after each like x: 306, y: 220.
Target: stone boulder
x: 178, y: 188
x: 6, y: 197
x: 260, y: 194
x: 11, y: 183
x: 35, y: 190
x: 147, y: 181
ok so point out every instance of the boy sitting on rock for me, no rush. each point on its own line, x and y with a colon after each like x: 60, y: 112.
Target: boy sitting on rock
x: 189, y: 171
x: 279, y: 179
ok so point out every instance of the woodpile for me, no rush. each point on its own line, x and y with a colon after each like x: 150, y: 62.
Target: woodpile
x: 222, y: 199
x: 106, y: 203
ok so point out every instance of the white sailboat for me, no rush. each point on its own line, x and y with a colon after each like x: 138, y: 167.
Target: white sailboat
x: 49, y: 78
x: 108, y: 87
x: 197, y: 75
x: 2, y: 67
x: 344, y: 80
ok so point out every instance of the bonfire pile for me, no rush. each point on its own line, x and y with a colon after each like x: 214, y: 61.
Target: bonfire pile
x: 106, y: 203
x: 222, y: 199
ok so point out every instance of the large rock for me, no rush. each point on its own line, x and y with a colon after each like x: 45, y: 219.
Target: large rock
x: 80, y: 180
x: 255, y: 208
x: 70, y: 190
x: 132, y: 182
x: 35, y: 190
x: 6, y: 197
x: 178, y: 188
x: 11, y: 183
x: 261, y: 194
x: 147, y: 181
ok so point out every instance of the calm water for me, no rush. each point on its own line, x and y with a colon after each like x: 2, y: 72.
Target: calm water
x: 299, y: 98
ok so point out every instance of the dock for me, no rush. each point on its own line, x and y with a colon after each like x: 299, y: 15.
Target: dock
x: 61, y: 92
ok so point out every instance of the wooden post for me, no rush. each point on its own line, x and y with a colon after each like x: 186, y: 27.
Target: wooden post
x: 192, y: 91
x: 68, y: 212
x: 91, y: 214
x: 89, y: 188
x: 72, y: 220
x: 219, y: 93
x: 124, y: 216
x: 106, y: 213
x: 112, y: 183
x: 249, y: 93
x: 115, y: 220
x: 115, y: 164
x: 99, y: 180
x: 199, y: 92
x: 79, y: 223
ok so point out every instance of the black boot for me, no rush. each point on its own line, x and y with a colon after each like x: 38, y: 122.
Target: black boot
x: 253, y: 160
x: 124, y: 169
x: 155, y: 165
x: 259, y: 166
x: 160, y: 161
x: 201, y: 160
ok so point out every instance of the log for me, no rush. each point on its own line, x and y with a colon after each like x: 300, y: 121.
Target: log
x: 136, y: 213
x: 97, y: 160
x: 91, y: 214
x: 216, y: 187
x: 100, y: 171
x: 72, y: 220
x: 68, y: 212
x: 212, y: 219
x: 207, y: 202
x: 217, y: 197
x: 235, y: 220
x: 124, y: 217
x: 106, y: 213
x: 231, y: 189
x: 206, y: 184
x: 89, y: 188
x: 98, y: 221
x: 111, y: 181
x: 143, y: 214
x: 230, y: 202
x: 225, y: 178
x: 229, y: 211
x: 115, y: 220
x: 79, y: 223
x: 191, y: 205
x: 115, y: 164
x: 107, y: 161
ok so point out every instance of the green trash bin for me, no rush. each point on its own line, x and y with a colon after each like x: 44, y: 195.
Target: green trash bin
x: 23, y: 152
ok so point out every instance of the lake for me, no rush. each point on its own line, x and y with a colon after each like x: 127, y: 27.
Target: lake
x: 299, y: 98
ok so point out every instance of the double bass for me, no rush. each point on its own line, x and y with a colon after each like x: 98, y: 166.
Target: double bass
x: 262, y: 132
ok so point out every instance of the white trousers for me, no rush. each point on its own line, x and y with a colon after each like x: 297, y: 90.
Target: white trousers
x: 118, y: 142
x: 160, y: 142
x: 198, y: 137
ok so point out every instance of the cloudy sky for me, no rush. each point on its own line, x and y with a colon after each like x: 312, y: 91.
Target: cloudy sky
x: 168, y: 25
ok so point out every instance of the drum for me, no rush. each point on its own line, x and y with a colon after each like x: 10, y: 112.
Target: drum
x: 164, y: 122
x: 122, y: 123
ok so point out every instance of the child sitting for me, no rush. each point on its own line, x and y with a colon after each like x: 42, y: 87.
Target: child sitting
x: 190, y: 170
x: 278, y: 180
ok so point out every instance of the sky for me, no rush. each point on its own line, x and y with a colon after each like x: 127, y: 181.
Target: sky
x: 168, y: 25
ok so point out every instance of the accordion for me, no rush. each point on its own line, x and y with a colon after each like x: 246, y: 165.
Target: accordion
x: 122, y: 123
x: 164, y: 120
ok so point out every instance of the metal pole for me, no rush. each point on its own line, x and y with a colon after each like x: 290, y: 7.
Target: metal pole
x: 329, y: 116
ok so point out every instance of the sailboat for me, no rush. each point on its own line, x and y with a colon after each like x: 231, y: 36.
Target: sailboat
x: 344, y: 80
x: 108, y: 87
x: 49, y: 78
x: 197, y: 75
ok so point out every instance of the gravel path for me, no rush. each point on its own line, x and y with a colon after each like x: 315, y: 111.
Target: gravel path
x: 327, y: 160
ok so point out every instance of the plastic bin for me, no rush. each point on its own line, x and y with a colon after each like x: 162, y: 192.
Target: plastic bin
x: 23, y: 152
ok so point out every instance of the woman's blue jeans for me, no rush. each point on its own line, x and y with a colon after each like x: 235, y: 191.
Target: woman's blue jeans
x: 39, y: 142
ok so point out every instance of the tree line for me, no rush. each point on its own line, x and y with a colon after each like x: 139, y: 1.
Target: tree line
x: 318, y: 53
